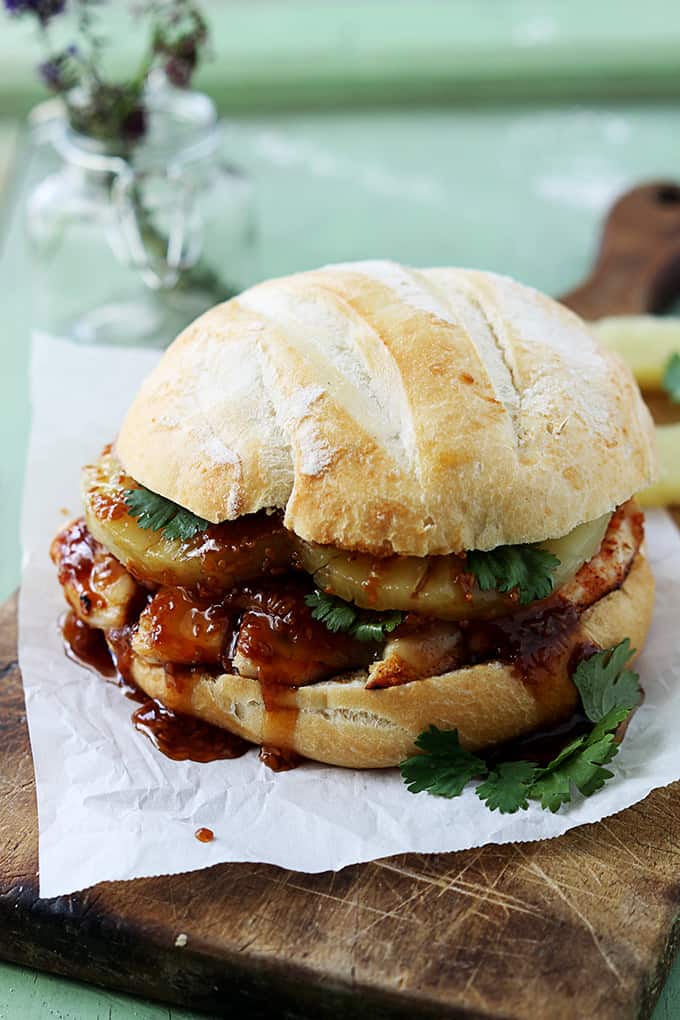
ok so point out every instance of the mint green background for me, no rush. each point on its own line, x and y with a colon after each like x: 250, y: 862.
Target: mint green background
x: 386, y: 129
x: 311, y: 53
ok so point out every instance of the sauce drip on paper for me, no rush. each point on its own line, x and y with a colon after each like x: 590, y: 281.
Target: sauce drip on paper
x: 204, y: 835
x: 184, y: 737
x: 86, y: 645
x: 177, y: 736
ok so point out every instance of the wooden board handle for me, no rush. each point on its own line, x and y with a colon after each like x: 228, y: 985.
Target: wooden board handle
x: 638, y: 265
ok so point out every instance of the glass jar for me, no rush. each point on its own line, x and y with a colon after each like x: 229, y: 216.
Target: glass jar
x: 128, y: 246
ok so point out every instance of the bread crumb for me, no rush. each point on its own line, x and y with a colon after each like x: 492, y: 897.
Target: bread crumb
x: 181, y: 940
x: 557, y: 430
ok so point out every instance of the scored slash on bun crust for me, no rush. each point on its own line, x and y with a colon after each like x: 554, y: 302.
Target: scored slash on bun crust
x: 342, y: 723
x: 390, y: 410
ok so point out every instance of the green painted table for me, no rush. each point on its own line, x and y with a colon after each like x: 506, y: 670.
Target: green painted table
x: 520, y: 189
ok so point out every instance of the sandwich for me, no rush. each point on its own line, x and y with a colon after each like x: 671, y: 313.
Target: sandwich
x: 355, y: 503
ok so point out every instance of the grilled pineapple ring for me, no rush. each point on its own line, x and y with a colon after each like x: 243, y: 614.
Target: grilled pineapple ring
x: 435, y: 586
x: 214, y: 559
x: 235, y: 551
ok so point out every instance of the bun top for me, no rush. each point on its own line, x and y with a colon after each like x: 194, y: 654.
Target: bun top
x: 392, y: 410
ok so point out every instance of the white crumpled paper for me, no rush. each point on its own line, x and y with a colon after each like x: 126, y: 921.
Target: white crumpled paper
x: 112, y: 807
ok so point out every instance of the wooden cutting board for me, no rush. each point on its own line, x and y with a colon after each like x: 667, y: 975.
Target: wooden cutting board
x: 581, y: 926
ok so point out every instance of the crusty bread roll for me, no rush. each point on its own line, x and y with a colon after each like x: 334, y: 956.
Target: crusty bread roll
x: 342, y: 723
x: 391, y: 410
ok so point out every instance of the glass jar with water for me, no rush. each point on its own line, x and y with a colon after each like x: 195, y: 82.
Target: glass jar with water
x: 130, y: 243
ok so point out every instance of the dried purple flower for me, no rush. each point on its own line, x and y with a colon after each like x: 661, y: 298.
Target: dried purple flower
x: 43, y: 9
x: 50, y: 72
x: 108, y: 112
x: 133, y: 125
x: 96, y: 106
x: 180, y: 38
x: 181, y: 65
x: 178, y: 72
x: 60, y: 73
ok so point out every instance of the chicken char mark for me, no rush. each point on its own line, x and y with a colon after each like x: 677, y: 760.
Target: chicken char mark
x: 99, y: 590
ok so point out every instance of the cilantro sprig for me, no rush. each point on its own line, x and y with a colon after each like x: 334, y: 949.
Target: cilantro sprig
x: 671, y: 378
x: 609, y: 693
x: 444, y: 768
x: 362, y: 624
x: 523, y: 567
x: 156, y: 513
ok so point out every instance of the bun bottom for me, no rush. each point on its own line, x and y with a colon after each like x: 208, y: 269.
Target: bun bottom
x: 339, y: 722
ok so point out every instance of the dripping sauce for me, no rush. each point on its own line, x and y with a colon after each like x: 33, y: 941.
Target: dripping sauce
x: 184, y: 737
x: 74, y: 551
x: 532, y: 640
x: 86, y: 646
x: 177, y: 736
x: 279, y: 759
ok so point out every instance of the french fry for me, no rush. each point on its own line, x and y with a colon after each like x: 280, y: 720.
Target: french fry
x: 667, y: 489
x: 645, y: 343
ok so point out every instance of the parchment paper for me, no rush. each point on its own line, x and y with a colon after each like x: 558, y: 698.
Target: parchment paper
x: 112, y: 807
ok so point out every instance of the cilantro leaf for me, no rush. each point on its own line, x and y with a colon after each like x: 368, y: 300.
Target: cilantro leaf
x: 609, y: 693
x: 610, y: 722
x: 362, y: 624
x: 525, y: 567
x: 582, y: 768
x: 552, y: 790
x: 604, y: 684
x: 587, y: 773
x: 336, y: 614
x: 567, y: 751
x: 156, y: 513
x: 444, y: 768
x: 580, y: 764
x: 671, y: 378
x: 366, y: 629
x: 506, y: 789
